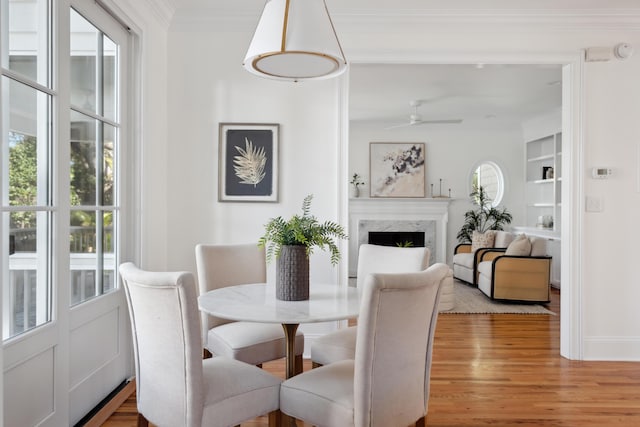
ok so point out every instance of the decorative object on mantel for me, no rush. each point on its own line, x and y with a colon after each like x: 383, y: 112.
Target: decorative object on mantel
x: 485, y: 217
x: 295, y: 40
x: 356, y: 182
x: 397, y: 169
x: 291, y: 242
x: 440, y: 196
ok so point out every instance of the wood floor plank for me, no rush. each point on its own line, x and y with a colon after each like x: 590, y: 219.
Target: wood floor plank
x: 506, y: 370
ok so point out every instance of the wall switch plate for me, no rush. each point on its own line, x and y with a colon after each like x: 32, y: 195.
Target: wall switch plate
x: 594, y: 204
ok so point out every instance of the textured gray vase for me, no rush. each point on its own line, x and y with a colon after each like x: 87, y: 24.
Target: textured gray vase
x: 292, y: 274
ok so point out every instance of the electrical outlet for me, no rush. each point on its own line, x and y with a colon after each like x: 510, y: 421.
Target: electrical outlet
x: 594, y: 204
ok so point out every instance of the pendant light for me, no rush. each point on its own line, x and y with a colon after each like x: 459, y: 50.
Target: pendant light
x: 295, y: 40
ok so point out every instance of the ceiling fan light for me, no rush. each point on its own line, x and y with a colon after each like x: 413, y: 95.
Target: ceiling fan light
x: 295, y: 40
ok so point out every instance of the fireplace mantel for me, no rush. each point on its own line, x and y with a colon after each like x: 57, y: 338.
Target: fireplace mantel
x: 389, y: 209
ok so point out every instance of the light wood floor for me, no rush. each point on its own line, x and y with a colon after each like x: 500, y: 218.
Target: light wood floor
x: 506, y: 370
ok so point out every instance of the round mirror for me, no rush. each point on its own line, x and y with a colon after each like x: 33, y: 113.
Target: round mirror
x: 488, y: 175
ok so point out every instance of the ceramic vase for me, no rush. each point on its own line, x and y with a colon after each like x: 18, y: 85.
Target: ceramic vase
x: 292, y: 274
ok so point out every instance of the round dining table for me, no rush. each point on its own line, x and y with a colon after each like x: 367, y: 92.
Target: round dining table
x: 257, y: 302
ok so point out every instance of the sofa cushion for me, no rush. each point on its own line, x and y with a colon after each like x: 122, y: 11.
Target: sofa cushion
x: 538, y: 246
x: 485, y: 268
x: 465, y: 259
x: 503, y: 239
x: 482, y: 240
x: 521, y: 246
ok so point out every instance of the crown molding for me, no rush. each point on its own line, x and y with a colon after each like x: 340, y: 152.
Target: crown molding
x: 162, y: 10
x: 348, y: 20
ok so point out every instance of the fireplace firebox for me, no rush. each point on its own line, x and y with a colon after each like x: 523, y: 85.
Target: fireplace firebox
x: 397, y: 238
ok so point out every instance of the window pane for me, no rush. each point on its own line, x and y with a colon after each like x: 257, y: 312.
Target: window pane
x: 108, y: 245
x: 109, y: 75
x: 28, y: 40
x: 92, y: 254
x: 84, y: 49
x: 26, y: 295
x: 83, y: 255
x: 28, y: 134
x: 83, y: 160
x: 108, y: 155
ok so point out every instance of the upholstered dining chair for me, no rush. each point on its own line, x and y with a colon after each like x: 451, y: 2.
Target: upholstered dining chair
x: 387, y: 384
x: 341, y: 344
x: 255, y: 343
x: 175, y: 386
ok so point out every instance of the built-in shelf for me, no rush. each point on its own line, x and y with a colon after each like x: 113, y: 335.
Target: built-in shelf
x: 540, y: 158
x: 543, y: 176
x: 543, y: 181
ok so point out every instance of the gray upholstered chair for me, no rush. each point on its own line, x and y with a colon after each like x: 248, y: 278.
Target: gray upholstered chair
x: 341, y: 344
x: 255, y: 343
x: 395, y: 329
x: 175, y: 387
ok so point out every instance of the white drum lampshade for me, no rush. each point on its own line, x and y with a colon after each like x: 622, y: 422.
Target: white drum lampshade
x: 295, y: 40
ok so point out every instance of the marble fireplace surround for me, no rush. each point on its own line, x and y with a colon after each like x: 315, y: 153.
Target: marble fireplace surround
x: 379, y: 214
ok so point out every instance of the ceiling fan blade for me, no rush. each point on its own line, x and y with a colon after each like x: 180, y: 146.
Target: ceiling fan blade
x: 404, y: 125
x: 444, y: 121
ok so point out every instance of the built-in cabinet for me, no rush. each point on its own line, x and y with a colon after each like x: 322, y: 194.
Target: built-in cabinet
x: 543, y: 166
x: 543, y: 198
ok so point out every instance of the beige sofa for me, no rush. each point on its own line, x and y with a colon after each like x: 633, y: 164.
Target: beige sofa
x: 523, y: 278
x: 465, y: 262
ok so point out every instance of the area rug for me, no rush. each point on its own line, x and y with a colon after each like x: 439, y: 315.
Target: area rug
x: 470, y: 300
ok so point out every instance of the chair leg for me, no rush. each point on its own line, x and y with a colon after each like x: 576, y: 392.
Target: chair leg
x: 421, y: 422
x: 142, y: 421
x: 298, y: 364
x: 315, y: 365
x: 275, y: 418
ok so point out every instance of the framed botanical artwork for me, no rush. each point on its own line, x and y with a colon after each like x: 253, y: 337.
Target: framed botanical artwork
x: 248, y: 162
x: 397, y: 169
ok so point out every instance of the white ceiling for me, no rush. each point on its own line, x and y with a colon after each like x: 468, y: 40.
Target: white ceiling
x: 484, y: 96
x: 495, y: 95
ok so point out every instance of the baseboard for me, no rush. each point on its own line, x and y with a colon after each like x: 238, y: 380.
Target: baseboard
x: 106, y: 409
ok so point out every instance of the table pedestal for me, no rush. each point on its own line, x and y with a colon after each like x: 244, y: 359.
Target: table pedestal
x: 290, y: 336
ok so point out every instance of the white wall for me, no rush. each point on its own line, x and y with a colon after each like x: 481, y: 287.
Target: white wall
x: 209, y: 86
x: 450, y: 155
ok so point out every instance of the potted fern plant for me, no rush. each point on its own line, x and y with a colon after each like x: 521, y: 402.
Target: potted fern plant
x: 484, y: 217
x: 291, y: 242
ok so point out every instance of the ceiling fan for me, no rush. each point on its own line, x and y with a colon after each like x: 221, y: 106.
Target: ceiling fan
x: 416, y: 119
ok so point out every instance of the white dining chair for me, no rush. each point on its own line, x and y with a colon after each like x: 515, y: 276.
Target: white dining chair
x: 341, y: 344
x: 255, y: 343
x: 174, y: 386
x: 387, y: 384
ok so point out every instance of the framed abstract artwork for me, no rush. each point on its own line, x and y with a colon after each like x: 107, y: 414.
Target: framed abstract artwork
x: 397, y: 169
x: 248, y: 162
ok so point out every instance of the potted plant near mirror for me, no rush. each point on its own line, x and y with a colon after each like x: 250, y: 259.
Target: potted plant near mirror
x: 483, y: 218
x: 291, y: 242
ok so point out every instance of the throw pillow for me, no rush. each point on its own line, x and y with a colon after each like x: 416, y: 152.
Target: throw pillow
x: 482, y: 240
x: 521, y: 246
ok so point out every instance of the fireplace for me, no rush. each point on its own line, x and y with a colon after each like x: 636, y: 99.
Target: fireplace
x: 428, y: 217
x: 397, y: 238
